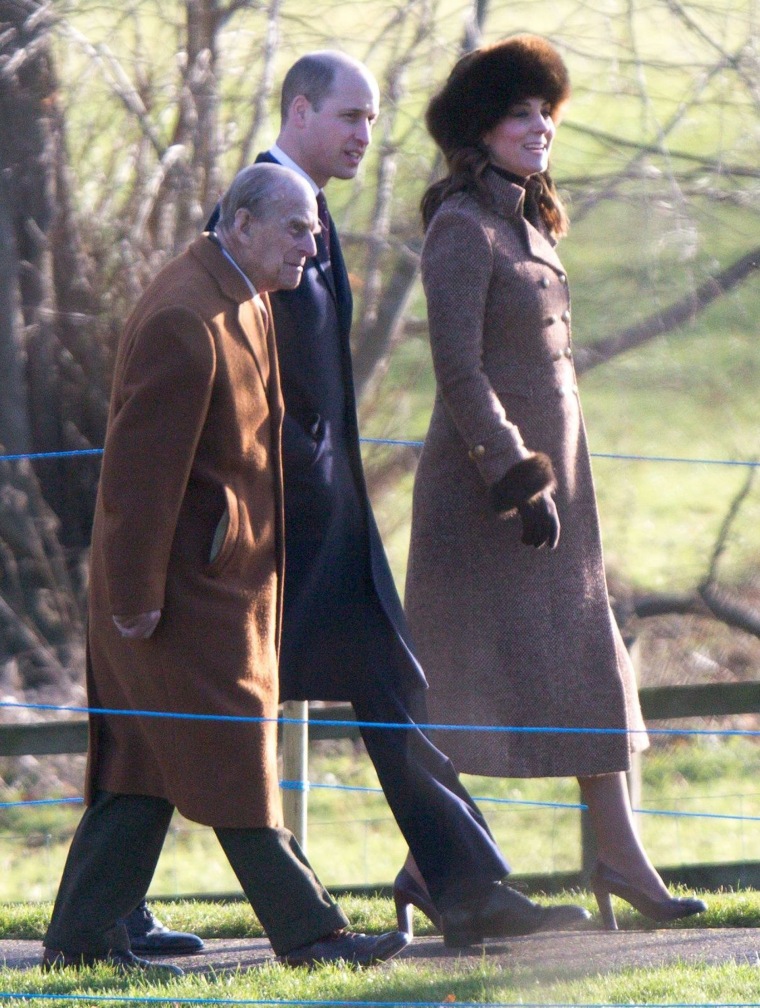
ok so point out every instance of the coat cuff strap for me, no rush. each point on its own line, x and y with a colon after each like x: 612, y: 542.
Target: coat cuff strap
x: 527, y: 478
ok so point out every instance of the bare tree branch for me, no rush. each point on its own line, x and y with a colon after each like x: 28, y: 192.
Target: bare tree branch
x: 265, y: 86
x: 587, y: 203
x: 725, y: 528
x: 682, y: 311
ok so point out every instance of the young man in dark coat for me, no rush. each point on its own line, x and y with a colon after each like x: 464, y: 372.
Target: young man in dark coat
x: 344, y: 633
x: 186, y: 596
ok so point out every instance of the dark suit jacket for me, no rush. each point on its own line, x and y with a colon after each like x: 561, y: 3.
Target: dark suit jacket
x: 337, y: 578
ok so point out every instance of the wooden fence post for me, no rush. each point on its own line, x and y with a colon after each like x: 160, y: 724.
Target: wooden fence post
x: 295, y: 768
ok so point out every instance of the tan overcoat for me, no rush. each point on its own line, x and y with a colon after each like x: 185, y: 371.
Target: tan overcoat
x: 192, y: 446
x: 509, y: 635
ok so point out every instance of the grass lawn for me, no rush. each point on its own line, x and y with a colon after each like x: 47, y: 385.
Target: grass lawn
x: 714, y: 775
x: 401, y: 984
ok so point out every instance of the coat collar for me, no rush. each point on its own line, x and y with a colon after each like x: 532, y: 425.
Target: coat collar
x: 509, y: 201
x: 231, y: 283
x: 233, y: 286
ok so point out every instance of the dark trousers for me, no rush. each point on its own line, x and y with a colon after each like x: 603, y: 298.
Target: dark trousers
x: 115, y: 851
x: 446, y: 832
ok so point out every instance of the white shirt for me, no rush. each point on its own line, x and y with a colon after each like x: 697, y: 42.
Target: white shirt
x: 288, y: 162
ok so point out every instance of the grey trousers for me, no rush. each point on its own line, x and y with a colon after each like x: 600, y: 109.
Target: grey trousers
x: 113, y: 857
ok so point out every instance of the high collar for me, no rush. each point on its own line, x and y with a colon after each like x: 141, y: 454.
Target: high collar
x: 509, y: 202
x: 508, y: 196
x: 508, y: 175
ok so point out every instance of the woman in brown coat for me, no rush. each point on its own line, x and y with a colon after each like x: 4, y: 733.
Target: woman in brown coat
x: 511, y: 635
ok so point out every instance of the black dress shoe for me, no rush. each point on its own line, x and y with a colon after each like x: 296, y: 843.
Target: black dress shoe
x: 148, y: 936
x: 349, y: 947
x: 125, y: 962
x: 502, y: 912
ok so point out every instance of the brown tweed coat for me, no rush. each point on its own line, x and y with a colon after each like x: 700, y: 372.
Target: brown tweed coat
x: 509, y: 635
x: 192, y: 442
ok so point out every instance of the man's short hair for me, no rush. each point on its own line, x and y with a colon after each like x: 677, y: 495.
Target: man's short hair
x: 255, y: 189
x: 312, y: 76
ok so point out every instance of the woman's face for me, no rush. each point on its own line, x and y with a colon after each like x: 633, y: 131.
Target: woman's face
x: 521, y: 141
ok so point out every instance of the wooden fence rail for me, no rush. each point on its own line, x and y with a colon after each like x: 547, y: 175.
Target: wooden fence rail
x: 657, y: 702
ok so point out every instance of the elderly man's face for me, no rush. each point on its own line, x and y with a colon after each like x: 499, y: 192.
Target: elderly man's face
x: 277, y: 246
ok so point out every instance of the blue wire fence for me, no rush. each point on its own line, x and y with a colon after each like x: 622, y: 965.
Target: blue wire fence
x: 399, y: 442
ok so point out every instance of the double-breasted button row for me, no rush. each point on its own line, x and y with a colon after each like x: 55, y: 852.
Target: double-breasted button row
x: 564, y: 317
x: 546, y: 282
x: 564, y: 390
x: 559, y: 354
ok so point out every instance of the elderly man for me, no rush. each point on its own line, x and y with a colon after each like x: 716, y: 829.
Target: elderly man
x: 186, y: 594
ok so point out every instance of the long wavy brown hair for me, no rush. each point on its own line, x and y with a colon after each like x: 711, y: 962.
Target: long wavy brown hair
x: 467, y: 167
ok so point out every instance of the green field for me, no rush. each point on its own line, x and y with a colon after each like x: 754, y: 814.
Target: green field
x: 713, y: 776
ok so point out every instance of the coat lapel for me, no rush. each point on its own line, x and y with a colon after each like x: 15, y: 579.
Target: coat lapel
x: 540, y: 247
x: 254, y: 328
x: 233, y: 286
x: 510, y: 199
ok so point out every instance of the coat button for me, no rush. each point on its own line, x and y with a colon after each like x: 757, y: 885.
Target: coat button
x: 477, y: 452
x: 550, y: 319
x: 562, y: 278
x: 568, y: 352
x: 566, y: 315
x: 557, y: 355
x: 545, y: 281
x: 561, y: 390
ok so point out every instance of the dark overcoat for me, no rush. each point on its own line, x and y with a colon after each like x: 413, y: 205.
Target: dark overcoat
x: 192, y: 447
x: 336, y: 566
x: 509, y: 635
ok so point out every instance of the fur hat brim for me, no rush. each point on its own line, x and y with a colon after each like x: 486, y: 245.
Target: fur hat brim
x: 485, y: 83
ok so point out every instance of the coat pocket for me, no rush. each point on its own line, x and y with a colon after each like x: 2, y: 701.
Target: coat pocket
x: 225, y: 534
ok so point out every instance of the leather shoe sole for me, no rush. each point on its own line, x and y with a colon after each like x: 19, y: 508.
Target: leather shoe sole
x: 348, y: 947
x: 124, y: 962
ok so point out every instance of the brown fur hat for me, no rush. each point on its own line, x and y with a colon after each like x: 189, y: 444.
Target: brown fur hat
x: 486, y: 82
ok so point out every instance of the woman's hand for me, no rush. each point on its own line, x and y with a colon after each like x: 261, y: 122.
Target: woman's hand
x: 540, y: 521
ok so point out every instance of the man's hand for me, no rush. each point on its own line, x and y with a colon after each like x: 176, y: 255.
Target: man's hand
x: 138, y: 627
x: 540, y: 521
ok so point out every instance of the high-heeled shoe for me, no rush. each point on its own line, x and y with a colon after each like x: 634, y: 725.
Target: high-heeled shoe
x: 606, y: 882
x: 408, y: 893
